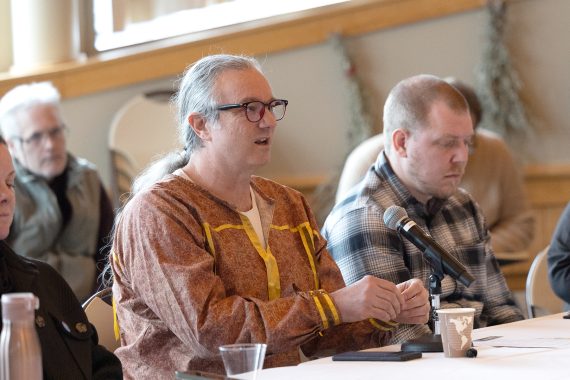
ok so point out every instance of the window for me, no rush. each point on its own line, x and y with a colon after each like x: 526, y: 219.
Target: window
x: 119, y: 23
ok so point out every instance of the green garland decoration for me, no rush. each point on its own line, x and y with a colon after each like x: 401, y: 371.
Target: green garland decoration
x: 360, y: 128
x: 498, y: 82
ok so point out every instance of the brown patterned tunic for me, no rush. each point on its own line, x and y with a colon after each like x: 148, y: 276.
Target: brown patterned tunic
x: 191, y: 275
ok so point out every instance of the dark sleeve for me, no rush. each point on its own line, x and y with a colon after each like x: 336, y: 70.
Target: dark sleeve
x: 67, y: 353
x: 106, y: 221
x: 105, y: 364
x: 559, y: 257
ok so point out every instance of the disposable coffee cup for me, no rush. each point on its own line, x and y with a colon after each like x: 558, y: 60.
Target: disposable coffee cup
x: 456, y: 327
x: 243, y: 358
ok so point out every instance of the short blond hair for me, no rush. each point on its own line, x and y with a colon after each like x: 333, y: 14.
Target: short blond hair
x: 409, y: 103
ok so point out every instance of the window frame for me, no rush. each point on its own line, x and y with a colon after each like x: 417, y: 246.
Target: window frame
x: 178, y: 22
x: 159, y: 59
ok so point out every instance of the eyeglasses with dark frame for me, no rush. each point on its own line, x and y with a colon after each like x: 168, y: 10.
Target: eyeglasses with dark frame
x: 37, y: 138
x: 255, y: 110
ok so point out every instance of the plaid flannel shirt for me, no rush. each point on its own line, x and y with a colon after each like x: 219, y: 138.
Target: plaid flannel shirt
x: 362, y: 244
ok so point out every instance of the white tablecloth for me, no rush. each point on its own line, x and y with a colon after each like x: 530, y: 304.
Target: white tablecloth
x: 503, y: 363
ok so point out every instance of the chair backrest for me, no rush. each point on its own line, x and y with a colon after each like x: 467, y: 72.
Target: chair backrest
x: 540, y: 298
x: 100, y: 314
x: 142, y: 129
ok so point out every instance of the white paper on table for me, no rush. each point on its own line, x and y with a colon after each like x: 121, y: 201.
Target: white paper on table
x: 499, y: 341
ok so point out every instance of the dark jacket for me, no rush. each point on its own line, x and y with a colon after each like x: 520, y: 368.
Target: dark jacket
x: 68, y: 341
x: 559, y: 258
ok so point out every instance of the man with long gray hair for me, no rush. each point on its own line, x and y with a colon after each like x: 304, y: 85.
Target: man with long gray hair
x: 206, y: 254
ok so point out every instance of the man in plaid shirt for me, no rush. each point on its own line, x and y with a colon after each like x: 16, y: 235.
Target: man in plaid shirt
x: 428, y: 133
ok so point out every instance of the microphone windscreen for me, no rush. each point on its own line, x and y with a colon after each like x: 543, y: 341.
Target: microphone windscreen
x: 393, y: 215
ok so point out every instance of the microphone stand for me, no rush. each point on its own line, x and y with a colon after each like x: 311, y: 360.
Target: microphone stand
x: 430, y: 342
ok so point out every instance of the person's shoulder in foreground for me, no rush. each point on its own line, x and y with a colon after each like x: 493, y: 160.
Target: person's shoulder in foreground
x: 428, y: 133
x: 68, y: 341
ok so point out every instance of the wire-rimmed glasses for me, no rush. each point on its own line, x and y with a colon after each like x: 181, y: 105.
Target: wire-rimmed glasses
x: 37, y: 138
x: 255, y: 110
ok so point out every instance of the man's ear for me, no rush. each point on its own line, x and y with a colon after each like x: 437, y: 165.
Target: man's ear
x: 198, y: 123
x: 400, y: 141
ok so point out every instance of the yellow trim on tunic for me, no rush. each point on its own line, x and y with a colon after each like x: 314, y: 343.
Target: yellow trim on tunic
x: 210, y: 242
x: 222, y: 227
x: 321, y: 312
x: 209, y: 239
x: 332, y: 308
x: 380, y: 325
x: 295, y: 229
x: 115, y: 320
x: 306, y: 234
x: 392, y: 323
x: 305, y: 230
x: 273, y: 280
x: 309, y: 249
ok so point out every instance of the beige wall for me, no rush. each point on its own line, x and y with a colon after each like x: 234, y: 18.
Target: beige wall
x: 311, y: 139
x: 5, y: 36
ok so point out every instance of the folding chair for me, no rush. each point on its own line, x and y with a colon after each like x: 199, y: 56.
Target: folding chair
x: 143, y: 129
x: 540, y: 298
x: 100, y: 314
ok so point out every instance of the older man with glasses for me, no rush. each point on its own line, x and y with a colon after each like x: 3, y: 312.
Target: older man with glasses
x: 63, y: 212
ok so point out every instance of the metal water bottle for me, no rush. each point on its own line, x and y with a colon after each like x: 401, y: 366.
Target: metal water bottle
x: 20, y: 352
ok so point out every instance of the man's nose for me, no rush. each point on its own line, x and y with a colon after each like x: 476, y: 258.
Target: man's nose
x: 461, y: 153
x: 267, y: 119
x: 48, y: 140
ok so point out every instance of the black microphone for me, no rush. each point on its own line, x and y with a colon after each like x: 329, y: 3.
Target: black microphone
x: 396, y: 218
